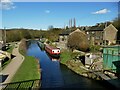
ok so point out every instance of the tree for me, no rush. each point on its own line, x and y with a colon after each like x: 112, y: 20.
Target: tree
x: 78, y: 40
x: 50, y: 27
x: 116, y: 23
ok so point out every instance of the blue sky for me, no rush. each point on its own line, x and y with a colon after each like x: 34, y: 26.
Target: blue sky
x: 39, y: 15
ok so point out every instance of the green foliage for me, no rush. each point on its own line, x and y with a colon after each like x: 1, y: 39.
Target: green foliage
x: 74, y: 55
x: 18, y: 34
x: 94, y: 48
x: 52, y: 34
x: 116, y: 23
x: 65, y: 56
x: 11, y: 48
x: 68, y: 55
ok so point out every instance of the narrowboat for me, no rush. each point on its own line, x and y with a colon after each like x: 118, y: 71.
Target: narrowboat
x: 53, y: 51
x: 41, y: 45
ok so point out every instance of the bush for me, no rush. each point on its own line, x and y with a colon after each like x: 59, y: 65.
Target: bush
x: 23, y: 46
x: 78, y: 40
x: 94, y: 48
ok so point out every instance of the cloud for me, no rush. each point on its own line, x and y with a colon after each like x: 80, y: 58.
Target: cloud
x: 7, y: 5
x: 103, y: 11
x: 5, y: 0
x: 47, y: 11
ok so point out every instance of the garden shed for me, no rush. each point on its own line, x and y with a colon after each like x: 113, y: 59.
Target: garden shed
x: 111, y: 58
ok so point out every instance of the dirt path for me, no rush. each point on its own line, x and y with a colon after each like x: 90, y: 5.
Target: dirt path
x: 13, y: 66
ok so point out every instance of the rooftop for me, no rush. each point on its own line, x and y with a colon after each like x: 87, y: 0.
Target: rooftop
x: 66, y: 32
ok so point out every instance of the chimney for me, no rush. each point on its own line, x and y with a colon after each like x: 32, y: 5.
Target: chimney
x: 105, y: 24
x: 74, y: 22
x: 71, y: 23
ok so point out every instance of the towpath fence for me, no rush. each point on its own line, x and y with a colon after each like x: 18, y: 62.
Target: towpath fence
x: 29, y: 84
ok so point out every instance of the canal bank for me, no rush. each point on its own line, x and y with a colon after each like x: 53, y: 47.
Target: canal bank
x: 56, y: 75
x: 68, y: 59
x: 28, y: 75
x: 77, y: 67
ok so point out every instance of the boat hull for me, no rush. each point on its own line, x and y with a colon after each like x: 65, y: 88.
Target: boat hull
x: 55, y: 52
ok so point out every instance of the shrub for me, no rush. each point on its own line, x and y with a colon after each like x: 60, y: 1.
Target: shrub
x: 94, y: 48
x: 78, y: 40
x: 23, y: 46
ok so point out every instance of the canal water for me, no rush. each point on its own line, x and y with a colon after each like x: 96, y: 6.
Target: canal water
x: 56, y: 75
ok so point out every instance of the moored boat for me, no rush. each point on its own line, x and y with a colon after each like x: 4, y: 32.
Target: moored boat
x: 52, y: 50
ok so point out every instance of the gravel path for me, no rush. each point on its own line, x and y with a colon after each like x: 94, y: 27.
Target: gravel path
x: 13, y: 66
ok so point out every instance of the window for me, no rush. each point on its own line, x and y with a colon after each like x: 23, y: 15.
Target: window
x: 87, y: 32
x: 97, y: 37
x: 62, y: 39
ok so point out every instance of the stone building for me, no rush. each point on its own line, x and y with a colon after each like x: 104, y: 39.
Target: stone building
x: 110, y: 35
x: 101, y: 35
x: 64, y: 36
x: 95, y: 37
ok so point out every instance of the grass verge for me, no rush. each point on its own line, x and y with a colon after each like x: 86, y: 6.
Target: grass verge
x: 27, y: 71
x: 11, y: 49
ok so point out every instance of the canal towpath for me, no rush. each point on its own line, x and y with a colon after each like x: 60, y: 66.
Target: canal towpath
x: 13, y: 66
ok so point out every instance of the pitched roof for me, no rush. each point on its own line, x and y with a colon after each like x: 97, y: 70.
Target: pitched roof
x: 77, y: 30
x: 66, y: 32
x: 110, y: 27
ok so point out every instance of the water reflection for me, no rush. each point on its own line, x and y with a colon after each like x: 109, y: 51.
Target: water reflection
x: 51, y: 72
x: 57, y: 58
x: 56, y: 75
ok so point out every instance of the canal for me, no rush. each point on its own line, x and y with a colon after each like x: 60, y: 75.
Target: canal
x: 56, y: 75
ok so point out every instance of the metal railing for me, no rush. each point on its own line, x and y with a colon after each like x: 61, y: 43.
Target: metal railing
x: 29, y: 84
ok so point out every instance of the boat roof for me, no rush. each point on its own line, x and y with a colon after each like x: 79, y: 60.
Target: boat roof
x: 52, y: 47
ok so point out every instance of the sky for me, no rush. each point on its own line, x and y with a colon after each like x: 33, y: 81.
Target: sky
x: 40, y: 15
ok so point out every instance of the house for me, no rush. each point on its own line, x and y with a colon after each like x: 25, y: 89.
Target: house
x: 110, y: 35
x: 64, y: 36
x: 102, y: 36
x: 95, y: 36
